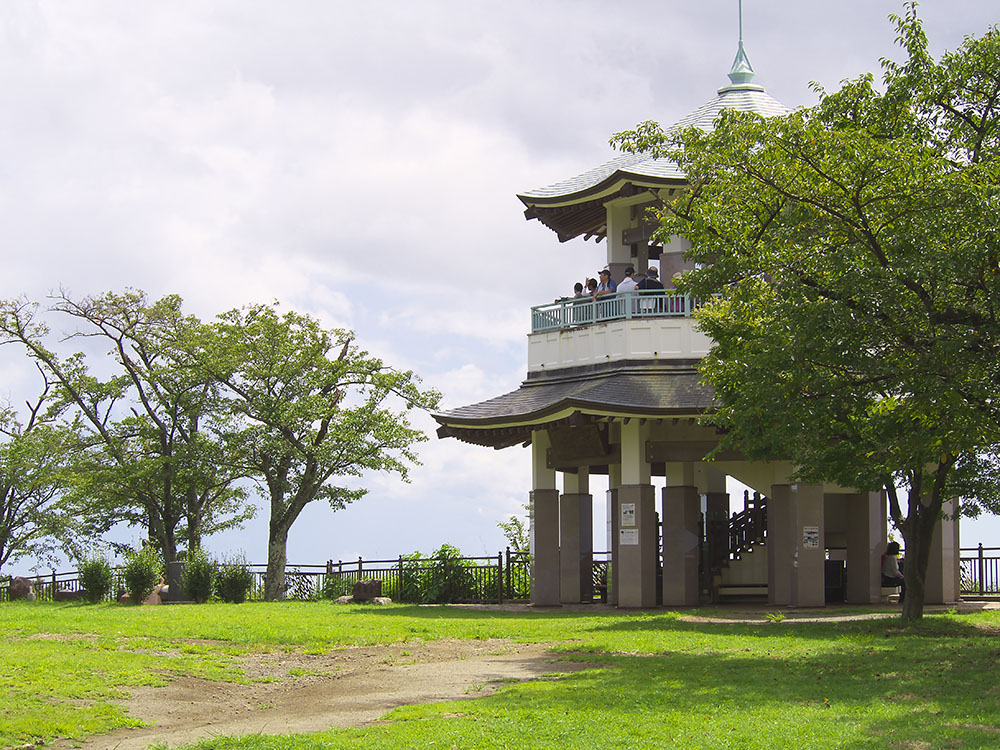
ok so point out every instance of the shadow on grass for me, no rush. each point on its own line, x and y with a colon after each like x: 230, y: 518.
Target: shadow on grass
x: 872, y: 692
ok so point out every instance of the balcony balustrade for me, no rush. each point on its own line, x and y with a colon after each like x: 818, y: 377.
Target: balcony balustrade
x: 569, y: 312
x: 628, y: 327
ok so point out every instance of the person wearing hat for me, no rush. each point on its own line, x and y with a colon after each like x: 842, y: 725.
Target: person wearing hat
x: 607, y: 285
x: 651, y: 281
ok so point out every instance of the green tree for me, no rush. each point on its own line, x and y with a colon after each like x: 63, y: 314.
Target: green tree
x: 156, y: 429
x: 850, y: 252
x: 35, y: 453
x: 316, y: 410
x: 515, y: 531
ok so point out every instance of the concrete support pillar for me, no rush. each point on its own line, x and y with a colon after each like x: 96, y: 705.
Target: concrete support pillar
x: 636, y: 558
x: 636, y: 561
x: 681, y: 508
x: 796, y: 556
x: 614, y: 482
x: 942, y: 582
x: 619, y: 254
x: 544, y: 524
x: 576, y: 539
x: 866, y: 533
x: 672, y: 259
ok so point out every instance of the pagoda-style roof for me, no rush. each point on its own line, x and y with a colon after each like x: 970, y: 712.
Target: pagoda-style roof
x: 575, y: 206
x: 644, y: 389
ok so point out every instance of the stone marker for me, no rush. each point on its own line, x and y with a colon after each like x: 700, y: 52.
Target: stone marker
x: 366, y: 591
x: 21, y: 588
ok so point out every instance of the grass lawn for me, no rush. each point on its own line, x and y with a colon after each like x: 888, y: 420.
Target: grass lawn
x: 661, y: 681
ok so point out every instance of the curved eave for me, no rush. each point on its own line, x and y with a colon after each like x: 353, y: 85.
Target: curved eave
x: 590, y: 396
x: 585, y: 212
x: 610, y: 187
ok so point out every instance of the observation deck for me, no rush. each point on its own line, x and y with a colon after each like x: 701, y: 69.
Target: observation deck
x: 628, y: 327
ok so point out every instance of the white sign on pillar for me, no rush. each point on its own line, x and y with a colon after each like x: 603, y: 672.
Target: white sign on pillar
x: 628, y: 537
x: 810, y: 537
x: 628, y: 514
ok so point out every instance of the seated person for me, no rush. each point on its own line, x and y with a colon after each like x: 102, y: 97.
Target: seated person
x: 891, y: 574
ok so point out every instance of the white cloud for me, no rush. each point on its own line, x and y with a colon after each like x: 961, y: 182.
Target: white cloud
x: 360, y: 163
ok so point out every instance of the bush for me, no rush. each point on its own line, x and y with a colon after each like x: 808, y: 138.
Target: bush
x: 198, y: 575
x: 443, y: 578
x: 96, y: 579
x: 142, y: 572
x: 233, y: 580
x: 335, y: 586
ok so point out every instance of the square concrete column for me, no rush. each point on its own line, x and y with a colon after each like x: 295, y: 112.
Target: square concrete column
x: 779, y: 545
x: 636, y: 558
x: 681, y: 509
x: 942, y: 584
x: 866, y: 533
x: 796, y: 555
x: 637, y: 561
x: 544, y: 524
x: 576, y: 539
x: 613, y: 526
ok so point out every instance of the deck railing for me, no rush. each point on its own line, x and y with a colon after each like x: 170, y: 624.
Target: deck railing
x: 980, y: 570
x: 576, y: 311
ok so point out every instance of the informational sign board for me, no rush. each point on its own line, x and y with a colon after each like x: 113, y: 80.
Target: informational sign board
x: 810, y: 537
x: 628, y: 514
x: 628, y: 537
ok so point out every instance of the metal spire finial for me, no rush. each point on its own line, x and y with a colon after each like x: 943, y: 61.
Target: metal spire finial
x: 741, y: 75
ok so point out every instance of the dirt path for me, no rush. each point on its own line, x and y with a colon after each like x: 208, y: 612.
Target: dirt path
x: 310, y: 693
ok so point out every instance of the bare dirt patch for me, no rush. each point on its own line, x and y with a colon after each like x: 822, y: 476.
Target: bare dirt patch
x: 309, y: 693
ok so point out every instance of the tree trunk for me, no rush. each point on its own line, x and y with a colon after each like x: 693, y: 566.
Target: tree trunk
x: 277, y: 557
x: 918, y: 533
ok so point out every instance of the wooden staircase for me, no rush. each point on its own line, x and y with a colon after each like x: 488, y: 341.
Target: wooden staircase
x: 738, y: 568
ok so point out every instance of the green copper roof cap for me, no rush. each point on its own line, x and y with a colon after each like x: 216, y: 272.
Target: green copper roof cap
x: 741, y: 75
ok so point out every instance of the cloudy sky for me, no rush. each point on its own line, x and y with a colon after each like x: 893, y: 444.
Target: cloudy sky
x: 359, y: 162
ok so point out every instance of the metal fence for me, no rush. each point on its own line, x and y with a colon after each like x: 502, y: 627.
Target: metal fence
x: 980, y: 570
x: 471, y: 580
x: 407, y: 578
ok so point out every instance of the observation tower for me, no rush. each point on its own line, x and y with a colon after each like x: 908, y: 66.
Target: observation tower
x: 612, y: 389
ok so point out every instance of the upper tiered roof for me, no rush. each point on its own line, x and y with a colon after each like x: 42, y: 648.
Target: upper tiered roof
x: 575, y: 206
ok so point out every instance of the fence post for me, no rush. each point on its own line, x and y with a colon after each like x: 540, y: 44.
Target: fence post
x: 53, y: 585
x: 399, y: 581
x: 982, y: 571
x: 499, y: 577
x: 359, y: 567
x: 506, y: 573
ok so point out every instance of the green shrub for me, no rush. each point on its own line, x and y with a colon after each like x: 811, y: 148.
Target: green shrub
x: 335, y: 586
x: 233, y: 581
x: 451, y: 581
x: 96, y: 579
x: 198, y: 575
x: 142, y: 572
x: 440, y: 579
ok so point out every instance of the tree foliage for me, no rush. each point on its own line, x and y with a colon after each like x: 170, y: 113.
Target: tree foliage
x: 154, y: 425
x: 316, y: 410
x: 35, y: 454
x: 850, y: 252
